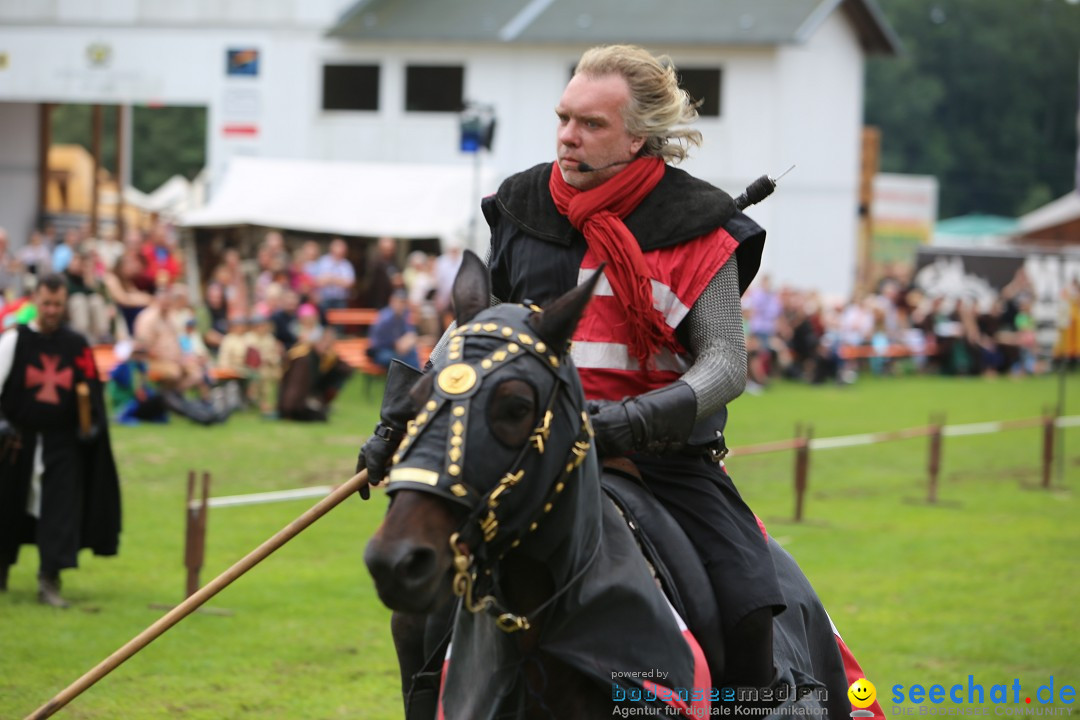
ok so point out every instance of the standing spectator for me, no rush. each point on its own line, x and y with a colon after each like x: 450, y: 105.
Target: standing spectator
x: 420, y: 284
x: 393, y: 336
x: 35, y: 256
x: 162, y: 265
x: 302, y: 271
x: 334, y: 277
x: 446, y: 269
x: 765, y: 309
x: 10, y: 273
x: 121, y: 285
x: 385, y: 273
x: 60, y: 489
x: 230, y: 275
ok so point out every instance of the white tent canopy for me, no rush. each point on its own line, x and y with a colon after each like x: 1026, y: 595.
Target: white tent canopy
x: 353, y: 199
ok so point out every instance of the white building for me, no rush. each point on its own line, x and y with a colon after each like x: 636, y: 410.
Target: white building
x: 382, y: 80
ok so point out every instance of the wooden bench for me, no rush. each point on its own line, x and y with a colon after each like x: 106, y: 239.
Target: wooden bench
x: 106, y: 361
x: 353, y: 352
x: 343, y: 318
x: 866, y: 352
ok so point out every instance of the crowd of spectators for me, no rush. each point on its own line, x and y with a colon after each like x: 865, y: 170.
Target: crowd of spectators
x: 800, y: 335
x: 256, y: 316
x: 251, y: 320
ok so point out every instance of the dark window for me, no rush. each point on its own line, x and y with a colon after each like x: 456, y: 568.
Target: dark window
x: 350, y: 87
x: 703, y: 84
x: 434, y: 88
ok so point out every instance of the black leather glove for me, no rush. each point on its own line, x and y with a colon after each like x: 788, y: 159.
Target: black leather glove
x: 394, y: 415
x: 9, y: 440
x: 657, y: 422
x: 90, y: 435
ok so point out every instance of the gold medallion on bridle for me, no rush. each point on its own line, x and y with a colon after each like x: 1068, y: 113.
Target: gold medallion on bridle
x: 457, y: 379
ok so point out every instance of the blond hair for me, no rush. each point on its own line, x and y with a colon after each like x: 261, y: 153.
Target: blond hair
x: 659, y: 109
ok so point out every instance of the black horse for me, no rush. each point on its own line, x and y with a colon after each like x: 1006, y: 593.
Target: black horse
x: 496, y: 498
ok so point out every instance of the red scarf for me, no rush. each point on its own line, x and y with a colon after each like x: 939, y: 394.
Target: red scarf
x: 598, y: 215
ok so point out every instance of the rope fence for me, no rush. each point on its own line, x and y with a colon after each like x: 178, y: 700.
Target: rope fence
x: 802, y: 444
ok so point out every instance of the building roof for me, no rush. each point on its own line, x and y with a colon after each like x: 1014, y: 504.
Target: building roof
x: 1064, y: 210
x: 342, y: 198
x: 976, y: 224
x: 592, y: 22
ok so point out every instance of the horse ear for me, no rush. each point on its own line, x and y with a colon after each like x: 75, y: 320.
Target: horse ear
x: 472, y: 288
x: 557, y: 322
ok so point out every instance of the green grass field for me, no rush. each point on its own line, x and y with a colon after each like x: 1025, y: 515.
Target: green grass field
x: 984, y: 583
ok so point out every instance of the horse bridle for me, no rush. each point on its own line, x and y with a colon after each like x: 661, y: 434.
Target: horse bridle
x: 482, y: 533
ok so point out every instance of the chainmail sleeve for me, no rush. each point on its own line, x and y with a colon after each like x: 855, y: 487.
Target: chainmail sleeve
x: 717, y: 342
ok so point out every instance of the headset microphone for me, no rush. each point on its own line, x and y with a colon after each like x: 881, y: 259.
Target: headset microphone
x: 586, y: 167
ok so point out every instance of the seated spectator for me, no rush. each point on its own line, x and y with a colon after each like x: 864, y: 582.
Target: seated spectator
x: 217, y: 319
x: 282, y: 305
x: 393, y: 336
x: 155, y: 331
x: 175, y: 373
x: 88, y: 312
x: 313, y: 377
x: 232, y: 353
x: 133, y: 396
x: 62, y: 253
x: 309, y: 329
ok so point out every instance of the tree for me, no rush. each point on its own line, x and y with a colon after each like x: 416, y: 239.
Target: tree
x: 165, y: 141
x: 984, y: 97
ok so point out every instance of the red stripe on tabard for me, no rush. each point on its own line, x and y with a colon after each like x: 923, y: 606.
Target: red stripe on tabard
x: 685, y: 268
x: 854, y: 672
x: 603, y: 384
x: 695, y: 708
x: 440, y: 715
x: 247, y: 129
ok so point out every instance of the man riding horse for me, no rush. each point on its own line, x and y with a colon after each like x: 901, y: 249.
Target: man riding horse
x: 660, y: 349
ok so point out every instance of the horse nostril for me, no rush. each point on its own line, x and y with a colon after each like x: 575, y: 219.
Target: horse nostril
x: 416, y: 565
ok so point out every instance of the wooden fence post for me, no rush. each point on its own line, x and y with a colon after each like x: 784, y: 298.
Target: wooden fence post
x: 1048, y: 447
x: 195, y: 531
x: 802, y: 468
x: 934, y: 464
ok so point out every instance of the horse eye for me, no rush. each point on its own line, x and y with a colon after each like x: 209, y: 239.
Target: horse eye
x: 512, y: 412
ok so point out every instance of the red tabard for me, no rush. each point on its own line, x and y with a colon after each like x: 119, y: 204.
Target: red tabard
x: 600, y: 345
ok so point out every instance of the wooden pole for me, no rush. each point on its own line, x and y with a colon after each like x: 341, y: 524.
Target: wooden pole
x: 195, y: 535
x: 44, y: 142
x: 121, y: 176
x: 802, y: 469
x: 211, y: 589
x: 95, y: 183
x: 1048, y: 447
x: 934, y: 465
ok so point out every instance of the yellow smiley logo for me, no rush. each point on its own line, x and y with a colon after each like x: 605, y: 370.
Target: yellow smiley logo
x: 862, y: 693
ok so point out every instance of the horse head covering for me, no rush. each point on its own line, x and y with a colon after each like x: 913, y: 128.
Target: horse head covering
x: 532, y: 492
